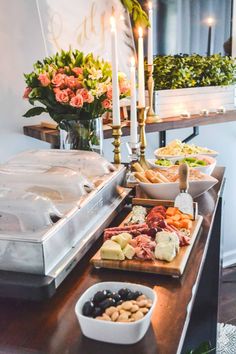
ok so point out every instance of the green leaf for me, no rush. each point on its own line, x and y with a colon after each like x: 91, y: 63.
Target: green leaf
x: 36, y: 111
x: 204, y: 348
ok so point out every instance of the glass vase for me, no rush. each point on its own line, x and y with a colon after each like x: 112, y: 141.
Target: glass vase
x: 84, y: 134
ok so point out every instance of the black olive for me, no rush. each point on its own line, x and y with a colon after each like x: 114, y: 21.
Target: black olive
x: 100, y: 296
x: 115, y: 296
x: 107, y: 303
x: 108, y: 293
x: 97, y: 312
x: 119, y: 303
x: 123, y: 293
x: 130, y: 296
x: 137, y: 294
x: 88, y: 308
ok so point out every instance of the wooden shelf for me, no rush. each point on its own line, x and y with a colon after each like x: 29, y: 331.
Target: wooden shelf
x: 51, y: 136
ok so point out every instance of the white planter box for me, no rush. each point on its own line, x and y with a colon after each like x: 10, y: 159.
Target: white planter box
x: 170, y: 103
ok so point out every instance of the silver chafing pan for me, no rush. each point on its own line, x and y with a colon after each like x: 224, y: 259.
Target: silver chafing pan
x: 59, y: 230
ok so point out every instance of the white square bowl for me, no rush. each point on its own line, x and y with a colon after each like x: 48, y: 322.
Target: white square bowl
x: 114, y: 332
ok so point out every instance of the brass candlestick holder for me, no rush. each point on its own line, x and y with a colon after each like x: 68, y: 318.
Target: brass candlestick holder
x: 151, y: 115
x: 142, y: 115
x: 117, y: 133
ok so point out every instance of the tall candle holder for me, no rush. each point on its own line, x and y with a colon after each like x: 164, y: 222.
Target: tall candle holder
x: 117, y: 133
x: 142, y: 115
x: 151, y: 115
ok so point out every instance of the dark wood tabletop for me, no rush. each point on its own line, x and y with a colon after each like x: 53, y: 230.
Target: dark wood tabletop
x: 51, y: 327
x: 52, y: 136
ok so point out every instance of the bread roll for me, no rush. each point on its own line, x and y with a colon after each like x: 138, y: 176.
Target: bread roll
x: 151, y: 176
x: 140, y: 176
x: 137, y: 167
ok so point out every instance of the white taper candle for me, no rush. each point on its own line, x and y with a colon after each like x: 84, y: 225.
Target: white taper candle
x: 150, y: 34
x: 141, y: 85
x: 133, y: 108
x: 115, y: 81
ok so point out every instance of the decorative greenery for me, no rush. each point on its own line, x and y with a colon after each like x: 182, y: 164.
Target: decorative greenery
x: 181, y: 71
x: 136, y: 11
x: 72, y: 86
x: 204, y: 348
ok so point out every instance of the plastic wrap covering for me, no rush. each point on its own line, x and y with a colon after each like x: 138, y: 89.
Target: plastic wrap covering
x: 25, y: 215
x: 89, y: 164
x: 58, y: 184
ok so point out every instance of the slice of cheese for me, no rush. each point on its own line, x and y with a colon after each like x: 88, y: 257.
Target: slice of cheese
x: 129, y: 251
x: 111, y: 250
x: 168, y: 237
x: 122, y: 239
x: 165, y: 251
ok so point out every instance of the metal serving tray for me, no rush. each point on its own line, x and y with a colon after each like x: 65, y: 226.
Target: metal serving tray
x: 51, y: 251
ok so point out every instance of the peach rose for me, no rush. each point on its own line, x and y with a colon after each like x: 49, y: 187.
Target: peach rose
x: 90, y: 97
x: 77, y: 101
x: 62, y: 96
x: 27, y: 92
x: 106, y: 104
x: 58, y: 80
x: 44, y: 79
x: 77, y: 71
x: 70, y: 93
x: 72, y: 82
x: 109, y: 93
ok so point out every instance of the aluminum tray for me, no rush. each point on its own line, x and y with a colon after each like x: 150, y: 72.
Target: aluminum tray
x: 41, y: 253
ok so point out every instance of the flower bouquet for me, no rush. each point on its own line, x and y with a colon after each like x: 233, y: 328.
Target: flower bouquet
x: 74, y: 89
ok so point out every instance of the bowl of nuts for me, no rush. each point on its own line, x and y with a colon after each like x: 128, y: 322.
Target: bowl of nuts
x: 116, y: 312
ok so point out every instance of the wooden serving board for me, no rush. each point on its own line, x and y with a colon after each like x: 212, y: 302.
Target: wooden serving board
x: 173, y: 268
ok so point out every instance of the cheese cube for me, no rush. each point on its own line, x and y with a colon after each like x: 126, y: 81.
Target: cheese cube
x: 111, y: 250
x: 122, y: 239
x: 129, y: 251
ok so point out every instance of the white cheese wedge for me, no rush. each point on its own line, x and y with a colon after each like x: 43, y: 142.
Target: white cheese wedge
x: 111, y: 250
x: 166, y: 237
x: 138, y: 214
x: 129, y: 251
x: 122, y: 239
x: 165, y: 251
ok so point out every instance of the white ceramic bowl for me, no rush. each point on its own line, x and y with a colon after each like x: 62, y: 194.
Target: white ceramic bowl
x: 168, y: 191
x: 177, y: 157
x: 208, y: 169
x: 114, y: 332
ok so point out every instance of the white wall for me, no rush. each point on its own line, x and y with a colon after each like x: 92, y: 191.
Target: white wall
x: 21, y: 44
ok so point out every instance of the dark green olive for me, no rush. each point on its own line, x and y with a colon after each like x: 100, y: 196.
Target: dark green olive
x: 137, y: 294
x: 130, y: 296
x: 88, y: 308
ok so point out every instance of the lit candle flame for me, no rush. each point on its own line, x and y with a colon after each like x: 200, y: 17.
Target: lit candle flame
x: 150, y: 5
x: 210, y: 21
x: 113, y: 23
x: 132, y: 61
x: 140, y: 32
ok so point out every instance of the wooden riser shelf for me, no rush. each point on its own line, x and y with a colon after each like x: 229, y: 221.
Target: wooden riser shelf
x: 52, y: 136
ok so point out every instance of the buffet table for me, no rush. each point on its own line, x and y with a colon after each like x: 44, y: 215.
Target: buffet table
x: 185, y: 315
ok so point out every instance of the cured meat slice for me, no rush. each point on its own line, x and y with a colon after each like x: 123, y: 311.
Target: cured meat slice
x: 183, y: 239
x: 133, y: 230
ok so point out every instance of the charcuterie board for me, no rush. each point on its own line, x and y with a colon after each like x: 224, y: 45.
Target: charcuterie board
x: 174, y: 268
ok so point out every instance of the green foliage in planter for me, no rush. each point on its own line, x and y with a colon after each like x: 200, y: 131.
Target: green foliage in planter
x: 181, y: 71
x: 136, y: 12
